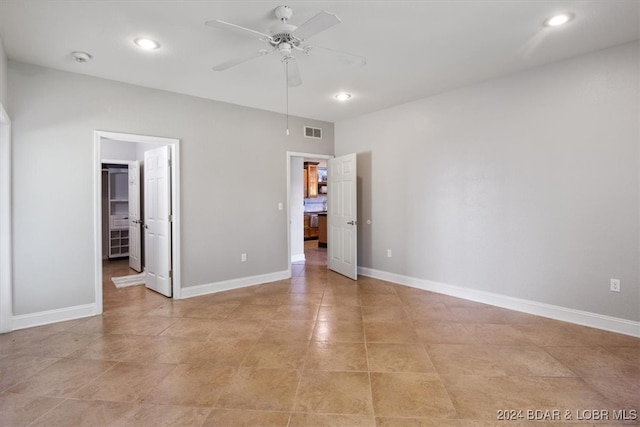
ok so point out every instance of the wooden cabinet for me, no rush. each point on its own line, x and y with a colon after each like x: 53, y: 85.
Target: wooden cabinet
x: 322, y: 230
x: 310, y: 233
x: 310, y: 179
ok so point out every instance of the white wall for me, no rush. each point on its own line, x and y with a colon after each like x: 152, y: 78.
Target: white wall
x: 525, y: 186
x: 297, y: 209
x: 3, y: 76
x: 233, y: 176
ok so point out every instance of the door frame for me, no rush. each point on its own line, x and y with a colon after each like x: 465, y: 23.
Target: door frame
x: 6, y: 208
x: 291, y: 154
x: 174, y: 145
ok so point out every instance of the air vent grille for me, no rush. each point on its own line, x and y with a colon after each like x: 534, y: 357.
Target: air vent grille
x: 311, y: 132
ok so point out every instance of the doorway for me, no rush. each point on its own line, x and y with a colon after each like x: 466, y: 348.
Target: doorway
x: 302, y: 209
x: 119, y: 148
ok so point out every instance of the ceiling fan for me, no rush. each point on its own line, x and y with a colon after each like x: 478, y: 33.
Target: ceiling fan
x: 286, y: 38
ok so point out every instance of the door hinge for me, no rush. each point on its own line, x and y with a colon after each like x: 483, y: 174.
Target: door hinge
x: 170, y: 274
x: 169, y: 162
x: 170, y: 217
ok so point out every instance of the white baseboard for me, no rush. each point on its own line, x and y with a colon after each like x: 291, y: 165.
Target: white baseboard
x: 585, y: 318
x: 52, y: 316
x: 227, y: 285
x: 298, y: 258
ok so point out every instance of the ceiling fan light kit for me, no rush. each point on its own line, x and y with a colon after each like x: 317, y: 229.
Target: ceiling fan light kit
x: 287, y: 38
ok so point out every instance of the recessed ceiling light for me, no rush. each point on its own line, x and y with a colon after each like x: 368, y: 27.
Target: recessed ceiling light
x: 342, y: 96
x: 146, y: 43
x: 559, y: 19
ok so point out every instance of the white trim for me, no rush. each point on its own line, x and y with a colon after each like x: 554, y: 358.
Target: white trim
x: 585, y: 318
x: 228, y: 285
x: 6, y: 237
x: 174, y: 144
x: 291, y: 154
x: 53, y: 316
x: 298, y: 258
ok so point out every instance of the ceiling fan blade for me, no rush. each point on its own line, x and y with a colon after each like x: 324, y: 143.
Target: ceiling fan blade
x: 347, y: 58
x: 238, y: 29
x: 316, y: 24
x: 233, y: 62
x: 293, y: 72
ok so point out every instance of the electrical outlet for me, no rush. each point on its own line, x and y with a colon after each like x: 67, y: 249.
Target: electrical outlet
x: 388, y: 253
x: 243, y: 257
x: 615, y: 285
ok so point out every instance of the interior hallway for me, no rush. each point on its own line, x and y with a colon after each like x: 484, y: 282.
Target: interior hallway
x: 314, y: 350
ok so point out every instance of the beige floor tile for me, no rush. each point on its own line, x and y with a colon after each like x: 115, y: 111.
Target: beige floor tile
x: 428, y: 359
x: 496, y: 333
x: 276, y: 354
x: 253, y: 312
x: 594, y: 362
x: 339, y: 299
x: 62, y: 378
x: 444, y: 333
x: 623, y: 392
x: 191, y: 385
x: 554, y: 334
x: 246, y: 418
x: 410, y: 395
x: 390, y: 332
x: 334, y: 393
x: 336, y: 331
x: 340, y: 313
x: 336, y: 356
x: 163, y: 349
x: 145, y: 325
x: 81, y: 413
x: 260, y: 389
x: 372, y: 313
x: 384, y: 357
x: 288, y: 330
x: 494, y: 360
x: 628, y: 354
x: 125, y: 382
x: 111, y: 347
x: 20, y: 410
x: 472, y: 314
x: 298, y: 297
x: 211, y: 311
x: 331, y: 420
x: 61, y: 344
x: 191, y: 328
x: 376, y: 300
x: 480, y: 397
x: 219, y: 351
x: 434, y: 312
x: 15, y: 368
x: 238, y: 329
x: 163, y: 416
x: 297, y: 312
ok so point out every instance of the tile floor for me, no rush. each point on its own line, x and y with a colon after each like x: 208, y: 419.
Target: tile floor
x: 315, y: 350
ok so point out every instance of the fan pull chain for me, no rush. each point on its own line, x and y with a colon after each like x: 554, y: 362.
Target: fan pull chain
x: 287, y: 91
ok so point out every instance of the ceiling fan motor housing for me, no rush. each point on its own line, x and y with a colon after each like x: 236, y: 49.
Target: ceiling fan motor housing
x: 284, y: 12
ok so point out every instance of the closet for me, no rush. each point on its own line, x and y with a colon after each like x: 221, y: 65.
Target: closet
x: 118, y: 211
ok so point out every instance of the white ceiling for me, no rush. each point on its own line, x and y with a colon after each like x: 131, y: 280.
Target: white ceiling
x: 413, y: 48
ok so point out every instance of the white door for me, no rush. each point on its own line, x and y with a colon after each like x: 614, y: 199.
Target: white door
x: 135, y: 254
x: 157, y: 220
x: 342, y: 228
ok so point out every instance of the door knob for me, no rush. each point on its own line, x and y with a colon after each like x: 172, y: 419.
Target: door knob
x: 352, y: 222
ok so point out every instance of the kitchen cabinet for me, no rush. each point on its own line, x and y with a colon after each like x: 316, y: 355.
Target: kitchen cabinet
x: 311, y: 230
x: 322, y: 230
x: 310, y: 179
